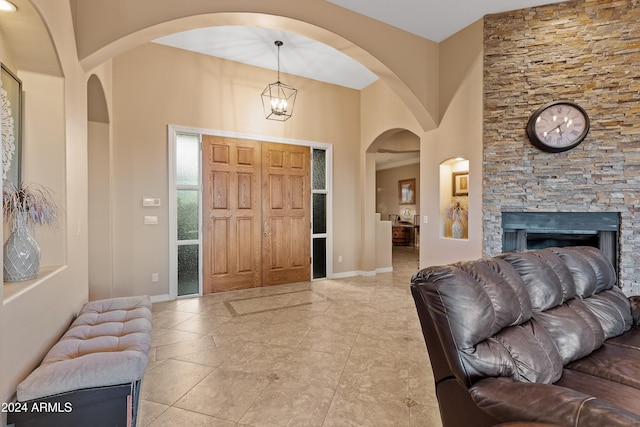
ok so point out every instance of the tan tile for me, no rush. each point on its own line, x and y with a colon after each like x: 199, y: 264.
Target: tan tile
x: 169, y: 318
x: 288, y: 334
x: 350, y: 311
x: 160, y: 337
x: 149, y: 411
x: 213, y: 357
x: 384, y: 328
x: 329, y: 340
x: 371, y: 347
x: 421, y: 384
x: 363, y: 410
x: 385, y: 378
x: 365, y: 337
x: 224, y: 394
x: 202, y: 305
x: 424, y: 416
x: 204, y: 323
x: 256, y: 358
x: 285, y: 403
x: 185, y: 347
x: 179, y: 417
x: 300, y: 313
x: 170, y: 380
x: 312, y: 367
x: 250, y: 330
x: 158, y: 307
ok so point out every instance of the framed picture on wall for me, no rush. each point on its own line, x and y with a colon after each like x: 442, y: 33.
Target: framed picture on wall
x: 11, y: 114
x: 407, y: 191
x: 460, y: 183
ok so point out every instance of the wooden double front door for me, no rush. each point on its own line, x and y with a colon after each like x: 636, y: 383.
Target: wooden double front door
x: 256, y: 221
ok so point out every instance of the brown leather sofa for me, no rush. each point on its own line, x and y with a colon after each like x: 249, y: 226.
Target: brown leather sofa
x: 540, y: 336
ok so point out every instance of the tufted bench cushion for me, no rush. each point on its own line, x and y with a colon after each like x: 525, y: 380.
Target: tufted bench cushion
x: 107, y: 344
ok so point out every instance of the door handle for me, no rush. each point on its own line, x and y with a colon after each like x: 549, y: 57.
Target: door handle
x: 266, y: 229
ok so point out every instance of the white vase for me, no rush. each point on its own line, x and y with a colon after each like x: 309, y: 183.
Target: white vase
x: 457, y: 228
x: 21, y: 252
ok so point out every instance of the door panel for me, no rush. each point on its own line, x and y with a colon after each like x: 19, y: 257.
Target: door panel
x: 286, y: 217
x: 253, y: 238
x: 231, y: 214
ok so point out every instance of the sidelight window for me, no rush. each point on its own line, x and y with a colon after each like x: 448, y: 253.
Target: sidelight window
x: 319, y: 194
x: 187, y: 187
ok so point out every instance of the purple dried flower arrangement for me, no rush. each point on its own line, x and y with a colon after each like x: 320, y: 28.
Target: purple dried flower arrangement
x: 34, y: 200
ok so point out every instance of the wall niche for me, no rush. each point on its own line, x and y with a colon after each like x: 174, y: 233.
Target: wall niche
x: 454, y: 198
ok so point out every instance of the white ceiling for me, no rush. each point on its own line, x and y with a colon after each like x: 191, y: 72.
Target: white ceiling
x: 300, y: 56
x: 432, y: 19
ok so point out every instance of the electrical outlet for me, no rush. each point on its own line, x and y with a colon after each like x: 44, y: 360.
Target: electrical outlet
x: 339, y: 258
x: 425, y: 219
x: 154, y: 277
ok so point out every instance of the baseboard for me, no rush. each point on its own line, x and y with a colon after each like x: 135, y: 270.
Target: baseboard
x: 161, y: 298
x: 345, y: 274
x: 354, y: 273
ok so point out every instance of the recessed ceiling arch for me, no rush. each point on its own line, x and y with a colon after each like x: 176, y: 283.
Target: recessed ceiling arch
x: 338, y: 42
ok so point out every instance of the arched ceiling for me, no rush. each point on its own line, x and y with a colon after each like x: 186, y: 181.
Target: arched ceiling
x: 28, y: 40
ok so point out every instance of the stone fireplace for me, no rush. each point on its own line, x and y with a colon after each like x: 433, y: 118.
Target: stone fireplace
x: 535, y: 230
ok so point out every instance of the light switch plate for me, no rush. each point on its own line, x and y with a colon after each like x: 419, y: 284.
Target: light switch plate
x: 151, y: 201
x: 150, y: 220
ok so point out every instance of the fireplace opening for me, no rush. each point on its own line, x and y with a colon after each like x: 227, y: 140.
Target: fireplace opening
x: 522, y: 231
x: 548, y: 240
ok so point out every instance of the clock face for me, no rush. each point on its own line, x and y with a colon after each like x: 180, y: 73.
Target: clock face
x: 559, y: 126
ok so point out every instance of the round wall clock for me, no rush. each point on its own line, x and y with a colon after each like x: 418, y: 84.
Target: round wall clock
x: 558, y: 126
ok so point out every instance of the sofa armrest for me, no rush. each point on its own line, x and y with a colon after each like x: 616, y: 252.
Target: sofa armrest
x: 635, y: 308
x: 509, y: 400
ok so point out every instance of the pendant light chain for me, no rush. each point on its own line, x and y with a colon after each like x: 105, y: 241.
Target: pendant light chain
x: 278, y: 43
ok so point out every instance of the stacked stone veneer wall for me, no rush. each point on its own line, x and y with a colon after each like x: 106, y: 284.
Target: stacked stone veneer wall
x: 587, y: 52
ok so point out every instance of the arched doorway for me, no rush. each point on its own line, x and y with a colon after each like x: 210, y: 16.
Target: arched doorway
x: 393, y: 158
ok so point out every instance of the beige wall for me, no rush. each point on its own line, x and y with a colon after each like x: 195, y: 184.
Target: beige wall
x: 155, y: 86
x: 44, y: 152
x: 100, y: 230
x: 55, y: 131
x: 151, y: 89
x: 387, y: 190
x: 459, y: 135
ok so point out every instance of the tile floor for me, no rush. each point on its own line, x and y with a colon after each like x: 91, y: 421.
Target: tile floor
x: 345, y: 352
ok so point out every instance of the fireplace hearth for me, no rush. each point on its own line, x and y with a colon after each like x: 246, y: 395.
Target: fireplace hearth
x: 535, y: 230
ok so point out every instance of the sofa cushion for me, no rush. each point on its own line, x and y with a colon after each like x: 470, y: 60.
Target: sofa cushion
x: 629, y: 339
x: 574, y: 328
x: 508, y: 400
x: 600, y: 309
x: 107, y: 344
x: 612, y: 362
x: 548, y: 281
x: 592, y: 272
x: 496, y: 337
x: 611, y: 392
x: 611, y: 308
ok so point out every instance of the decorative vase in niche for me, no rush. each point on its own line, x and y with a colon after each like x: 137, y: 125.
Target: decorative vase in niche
x: 457, y: 228
x: 21, y: 252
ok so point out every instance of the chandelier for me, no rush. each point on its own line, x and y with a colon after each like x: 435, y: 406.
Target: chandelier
x: 278, y: 99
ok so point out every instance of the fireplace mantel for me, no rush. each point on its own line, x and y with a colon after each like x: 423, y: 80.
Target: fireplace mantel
x: 530, y: 230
